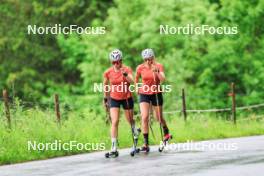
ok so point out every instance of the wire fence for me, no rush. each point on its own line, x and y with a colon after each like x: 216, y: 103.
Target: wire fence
x: 249, y: 107
x: 67, y: 106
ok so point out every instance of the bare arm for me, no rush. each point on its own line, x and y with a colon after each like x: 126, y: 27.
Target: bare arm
x: 161, y: 76
x: 128, y: 76
x: 136, y: 81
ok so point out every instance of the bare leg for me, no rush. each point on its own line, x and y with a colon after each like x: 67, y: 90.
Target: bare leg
x: 114, y: 112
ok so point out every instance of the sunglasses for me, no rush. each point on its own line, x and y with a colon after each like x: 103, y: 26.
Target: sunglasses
x: 116, y: 62
x: 149, y: 59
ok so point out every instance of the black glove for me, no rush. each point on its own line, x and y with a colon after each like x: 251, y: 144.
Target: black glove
x: 125, y: 74
x: 105, y: 100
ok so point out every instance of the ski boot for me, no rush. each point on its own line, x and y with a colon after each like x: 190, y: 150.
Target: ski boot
x: 112, y: 154
x: 135, y: 150
x: 145, y: 149
x: 167, y: 137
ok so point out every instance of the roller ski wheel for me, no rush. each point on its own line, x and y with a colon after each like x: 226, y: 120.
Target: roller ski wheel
x: 112, y: 154
x: 134, y: 151
x: 161, y: 149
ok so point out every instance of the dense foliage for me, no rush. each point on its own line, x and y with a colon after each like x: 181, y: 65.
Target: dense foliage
x: 35, y: 66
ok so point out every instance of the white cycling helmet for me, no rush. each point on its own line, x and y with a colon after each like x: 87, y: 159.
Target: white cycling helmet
x: 147, y: 53
x: 115, y: 55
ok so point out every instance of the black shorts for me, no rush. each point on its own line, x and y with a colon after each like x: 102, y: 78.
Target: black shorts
x: 152, y: 99
x: 126, y: 103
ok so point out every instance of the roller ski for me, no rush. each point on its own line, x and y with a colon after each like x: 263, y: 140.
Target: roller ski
x: 112, y: 154
x: 145, y: 149
x: 165, y: 141
x: 135, y: 150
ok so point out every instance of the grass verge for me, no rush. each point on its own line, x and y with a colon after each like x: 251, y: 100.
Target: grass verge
x: 89, y: 127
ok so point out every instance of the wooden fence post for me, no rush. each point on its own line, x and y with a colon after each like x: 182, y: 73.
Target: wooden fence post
x: 233, y: 93
x: 7, y: 111
x: 184, y: 105
x: 57, y: 107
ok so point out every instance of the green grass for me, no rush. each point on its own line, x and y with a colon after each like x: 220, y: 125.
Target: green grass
x: 87, y: 126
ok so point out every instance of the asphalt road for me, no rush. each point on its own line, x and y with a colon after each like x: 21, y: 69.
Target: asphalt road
x: 245, y: 157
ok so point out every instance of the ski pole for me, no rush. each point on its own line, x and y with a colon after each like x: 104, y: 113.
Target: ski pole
x: 157, y: 101
x: 149, y: 119
x: 131, y: 121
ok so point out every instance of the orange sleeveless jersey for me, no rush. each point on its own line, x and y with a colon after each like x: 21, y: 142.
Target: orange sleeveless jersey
x: 116, y: 80
x: 147, y: 76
